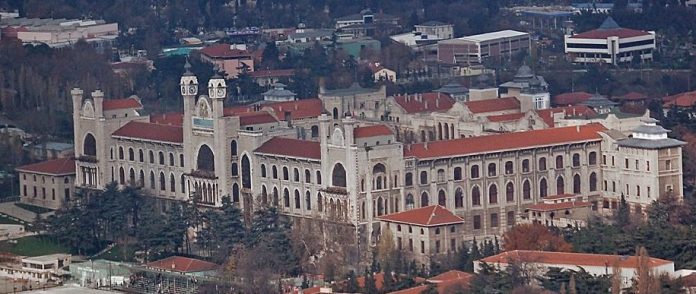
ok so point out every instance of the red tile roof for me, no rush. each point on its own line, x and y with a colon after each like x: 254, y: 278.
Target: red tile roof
x: 299, y: 109
x: 151, y: 132
x: 686, y: 99
x: 568, y: 258
x: 448, y: 282
x: 505, y: 117
x: 433, y: 215
x: 427, y: 102
x: 504, y: 142
x: 256, y: 118
x: 169, y: 118
x: 493, y: 105
x: 603, y: 34
x: 114, y: 104
x: 571, y: 98
x: 61, y: 166
x: 633, y: 96
x: 272, y: 73
x: 291, y: 147
x: 183, y: 264
x: 570, y: 111
x: 558, y: 206
x: 372, y: 131
x: 224, y: 51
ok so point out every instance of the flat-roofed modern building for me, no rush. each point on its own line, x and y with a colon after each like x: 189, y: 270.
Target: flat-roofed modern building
x: 610, y: 44
x: 476, y: 48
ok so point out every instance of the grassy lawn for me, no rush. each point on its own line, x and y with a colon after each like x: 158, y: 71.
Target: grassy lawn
x: 33, y: 208
x: 118, y: 253
x: 32, y: 246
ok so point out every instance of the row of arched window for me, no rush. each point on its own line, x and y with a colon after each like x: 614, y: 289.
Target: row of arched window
x: 492, y: 169
x: 335, y: 208
x: 493, y: 193
x: 154, y: 183
x: 162, y: 159
x: 307, y: 178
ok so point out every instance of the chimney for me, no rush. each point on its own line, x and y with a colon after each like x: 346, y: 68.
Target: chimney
x: 426, y: 104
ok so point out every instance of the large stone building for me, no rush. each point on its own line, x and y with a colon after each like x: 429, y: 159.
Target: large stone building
x: 354, y: 156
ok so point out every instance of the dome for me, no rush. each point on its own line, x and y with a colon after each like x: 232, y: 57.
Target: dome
x: 524, y: 72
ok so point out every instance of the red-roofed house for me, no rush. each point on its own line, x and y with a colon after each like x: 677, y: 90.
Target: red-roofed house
x: 382, y: 73
x: 184, y: 265
x: 452, y: 281
x: 594, y: 264
x: 610, y: 44
x: 572, y: 98
x: 681, y: 100
x: 229, y: 58
x: 560, y: 211
x: 424, y: 102
x: 47, y: 184
x: 498, y: 106
x: 424, y: 232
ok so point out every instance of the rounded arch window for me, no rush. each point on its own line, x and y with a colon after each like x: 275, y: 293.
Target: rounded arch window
x: 206, y: 159
x: 338, y: 176
x: 89, y: 147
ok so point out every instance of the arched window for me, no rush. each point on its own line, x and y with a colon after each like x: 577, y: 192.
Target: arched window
x: 131, y: 177
x: 440, y: 175
x: 181, y: 160
x: 559, y: 162
x: 526, y: 190
x: 152, y: 180
x: 525, y: 166
x: 335, y: 113
x: 274, y: 171
x: 441, y: 198
x: 318, y: 177
x: 235, y: 169
x: 576, y: 184
x: 320, y: 202
x: 592, y: 158
x: 151, y: 156
x: 120, y: 152
x: 141, y: 156
x: 307, y: 176
x: 246, y: 172
x: 338, y: 176
x: 315, y: 131
x: 492, y: 170
x: 508, y: 168
x: 286, y: 198
x: 560, y: 185
x: 131, y: 154
x: 458, y: 198
x: 543, y: 188
x: 205, y: 159
x: 182, y: 183
x: 162, y: 183
x: 235, y: 193
x: 263, y: 170
x: 161, y: 158
x: 308, y: 200
x: 297, y: 199
x: 121, y: 176
x: 275, y: 197
x: 172, y: 183
x: 296, y: 175
x: 112, y: 153
x: 542, y: 164
x: 171, y: 159
x: 475, y: 196
x: 409, y: 201
x: 457, y: 173
x: 233, y: 148
x: 286, y: 173
x: 424, y: 199
x: 576, y: 160
x: 380, y: 206
x: 89, y: 147
x: 141, y: 178
x: 593, y: 182
x: 509, y: 192
x: 264, y: 195
x: 409, y: 180
x: 423, y: 177
x: 474, y: 174
x: 493, y: 194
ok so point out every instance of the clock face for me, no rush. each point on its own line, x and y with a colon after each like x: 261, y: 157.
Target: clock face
x: 193, y: 90
x: 220, y: 93
x: 183, y: 90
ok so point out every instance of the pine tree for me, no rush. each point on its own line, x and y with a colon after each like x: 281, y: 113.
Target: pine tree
x: 389, y: 283
x: 571, y: 285
x: 496, y: 245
